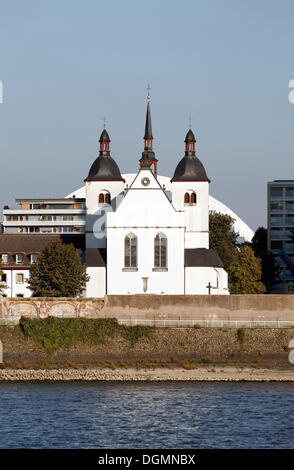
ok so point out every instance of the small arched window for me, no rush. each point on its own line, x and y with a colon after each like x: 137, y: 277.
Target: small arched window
x: 190, y: 198
x: 193, y: 199
x: 104, y: 198
x: 160, y: 251
x: 131, y: 249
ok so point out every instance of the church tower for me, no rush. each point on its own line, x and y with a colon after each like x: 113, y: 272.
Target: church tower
x: 104, y: 185
x: 148, y: 156
x: 190, y: 191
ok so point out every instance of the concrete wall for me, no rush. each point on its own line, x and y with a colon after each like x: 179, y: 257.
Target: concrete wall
x: 201, y: 307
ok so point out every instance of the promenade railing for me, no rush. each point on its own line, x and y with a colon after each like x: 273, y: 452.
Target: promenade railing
x: 210, y: 323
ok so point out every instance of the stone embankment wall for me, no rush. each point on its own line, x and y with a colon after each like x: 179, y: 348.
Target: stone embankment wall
x: 155, y: 307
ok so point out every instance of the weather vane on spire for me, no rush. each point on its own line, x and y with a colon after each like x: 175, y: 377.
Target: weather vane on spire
x: 190, y: 122
x: 104, y: 122
x: 148, y: 89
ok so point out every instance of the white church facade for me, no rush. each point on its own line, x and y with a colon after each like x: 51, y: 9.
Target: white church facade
x: 151, y: 243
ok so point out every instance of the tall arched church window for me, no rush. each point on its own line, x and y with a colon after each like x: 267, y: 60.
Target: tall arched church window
x: 101, y: 198
x: 193, y: 198
x: 187, y: 198
x: 107, y: 198
x: 160, y: 251
x: 131, y: 250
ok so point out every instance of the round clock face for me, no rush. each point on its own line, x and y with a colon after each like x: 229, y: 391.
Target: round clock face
x: 145, y: 181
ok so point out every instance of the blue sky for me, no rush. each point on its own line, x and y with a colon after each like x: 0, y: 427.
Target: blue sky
x: 66, y: 64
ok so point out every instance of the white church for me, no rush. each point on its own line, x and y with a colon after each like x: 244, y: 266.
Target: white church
x: 145, y: 238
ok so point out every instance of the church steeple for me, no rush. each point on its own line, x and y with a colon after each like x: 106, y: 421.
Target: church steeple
x: 104, y: 167
x: 148, y: 156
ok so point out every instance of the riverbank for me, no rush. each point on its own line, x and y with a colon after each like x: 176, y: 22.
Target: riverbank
x: 164, y: 348
x: 202, y: 374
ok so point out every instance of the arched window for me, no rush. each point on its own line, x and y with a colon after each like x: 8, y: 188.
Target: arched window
x: 160, y: 251
x: 190, y: 198
x: 193, y: 199
x: 131, y: 249
x: 104, y: 198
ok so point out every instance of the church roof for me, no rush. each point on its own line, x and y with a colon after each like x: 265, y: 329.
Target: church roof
x: 104, y: 168
x: 148, y: 125
x: 202, y: 257
x: 104, y: 137
x: 190, y: 168
x: 190, y: 137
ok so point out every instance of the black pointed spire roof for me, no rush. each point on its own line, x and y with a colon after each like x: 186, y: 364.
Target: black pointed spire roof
x: 190, y: 137
x: 148, y: 156
x: 190, y: 167
x: 104, y: 167
x: 104, y: 137
x: 148, y: 125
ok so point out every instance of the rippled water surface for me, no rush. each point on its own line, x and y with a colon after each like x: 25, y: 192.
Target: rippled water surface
x: 147, y: 415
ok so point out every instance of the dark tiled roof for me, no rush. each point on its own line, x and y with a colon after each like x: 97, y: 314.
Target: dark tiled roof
x: 190, y: 168
x: 104, y: 168
x: 202, y: 257
x: 27, y: 244
x: 104, y: 137
x: 148, y: 125
x: 96, y: 257
x: 190, y: 137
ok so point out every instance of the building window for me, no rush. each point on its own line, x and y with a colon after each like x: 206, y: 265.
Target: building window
x: 131, y: 248
x: 19, y: 278
x: 104, y: 198
x: 19, y: 259
x: 190, y: 198
x: 160, y: 251
x: 3, y: 278
x: 33, y: 259
x: 193, y: 199
x: 19, y: 295
x: 4, y: 258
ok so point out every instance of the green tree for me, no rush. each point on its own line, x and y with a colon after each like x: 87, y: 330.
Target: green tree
x: 245, y: 273
x: 270, y: 270
x: 59, y: 272
x: 223, y: 238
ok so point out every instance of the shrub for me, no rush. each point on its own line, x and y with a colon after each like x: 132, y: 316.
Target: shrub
x: 54, y: 333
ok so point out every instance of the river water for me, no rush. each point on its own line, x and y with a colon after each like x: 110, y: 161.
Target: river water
x: 147, y: 415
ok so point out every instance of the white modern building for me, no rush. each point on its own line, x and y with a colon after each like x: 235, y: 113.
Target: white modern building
x: 138, y: 233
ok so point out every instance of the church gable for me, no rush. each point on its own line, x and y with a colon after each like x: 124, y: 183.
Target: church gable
x: 146, y: 204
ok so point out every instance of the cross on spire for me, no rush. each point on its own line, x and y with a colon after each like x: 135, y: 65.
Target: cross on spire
x: 104, y: 122
x: 190, y: 122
